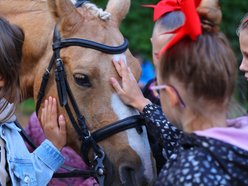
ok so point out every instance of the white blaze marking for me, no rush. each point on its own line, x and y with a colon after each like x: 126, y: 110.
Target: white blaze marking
x: 73, y: 1
x: 138, y: 142
x: 117, y: 58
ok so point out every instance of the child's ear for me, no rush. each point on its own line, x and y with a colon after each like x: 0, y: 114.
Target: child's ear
x: 173, y: 97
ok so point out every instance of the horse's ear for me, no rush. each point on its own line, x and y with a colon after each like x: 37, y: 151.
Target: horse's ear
x: 118, y: 9
x: 63, y: 9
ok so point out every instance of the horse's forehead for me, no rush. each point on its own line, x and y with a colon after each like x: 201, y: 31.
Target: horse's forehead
x: 95, y: 28
x: 100, y: 31
x: 91, y: 27
x: 88, y: 61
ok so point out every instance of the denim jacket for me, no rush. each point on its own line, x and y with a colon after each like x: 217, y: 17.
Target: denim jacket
x: 25, y: 168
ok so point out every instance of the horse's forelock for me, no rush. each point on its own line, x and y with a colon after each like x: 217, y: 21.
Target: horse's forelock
x: 99, y: 12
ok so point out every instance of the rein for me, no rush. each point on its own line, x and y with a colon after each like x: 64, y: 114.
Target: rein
x: 65, y: 95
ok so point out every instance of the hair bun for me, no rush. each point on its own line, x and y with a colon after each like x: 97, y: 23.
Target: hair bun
x: 210, y: 14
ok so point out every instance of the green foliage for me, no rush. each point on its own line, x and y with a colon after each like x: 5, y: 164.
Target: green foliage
x: 138, y: 27
x: 27, y: 107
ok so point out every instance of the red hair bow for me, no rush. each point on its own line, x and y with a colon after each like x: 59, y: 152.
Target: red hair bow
x: 192, y: 24
x: 163, y: 7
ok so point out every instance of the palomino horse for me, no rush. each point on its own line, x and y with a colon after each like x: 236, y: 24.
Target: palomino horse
x: 128, y: 158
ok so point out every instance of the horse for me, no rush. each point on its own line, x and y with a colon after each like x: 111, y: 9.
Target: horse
x: 128, y: 159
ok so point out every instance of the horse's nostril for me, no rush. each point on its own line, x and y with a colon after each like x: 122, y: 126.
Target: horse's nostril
x: 129, y: 176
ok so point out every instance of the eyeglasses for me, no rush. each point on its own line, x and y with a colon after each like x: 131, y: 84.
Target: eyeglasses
x: 245, y: 20
x: 159, y: 87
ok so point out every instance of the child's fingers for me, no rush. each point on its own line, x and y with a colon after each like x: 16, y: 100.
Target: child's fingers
x: 54, y: 107
x: 124, y: 70
x: 131, y: 74
x: 45, y: 109
x: 50, y: 104
x: 42, y: 115
x: 117, y: 67
x: 116, y: 86
x: 62, y: 124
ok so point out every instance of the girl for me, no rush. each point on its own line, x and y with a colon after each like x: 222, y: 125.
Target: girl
x: 24, y: 168
x: 196, y: 78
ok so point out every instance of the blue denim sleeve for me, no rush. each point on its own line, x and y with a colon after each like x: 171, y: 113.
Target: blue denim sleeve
x: 49, y: 155
x: 46, y: 160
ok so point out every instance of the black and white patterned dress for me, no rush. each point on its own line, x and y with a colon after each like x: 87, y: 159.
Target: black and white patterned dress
x: 193, y: 160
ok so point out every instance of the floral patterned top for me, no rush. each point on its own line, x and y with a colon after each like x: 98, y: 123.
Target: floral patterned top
x: 193, y: 160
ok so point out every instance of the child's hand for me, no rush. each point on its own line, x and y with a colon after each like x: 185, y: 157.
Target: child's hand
x: 54, y: 127
x: 130, y: 92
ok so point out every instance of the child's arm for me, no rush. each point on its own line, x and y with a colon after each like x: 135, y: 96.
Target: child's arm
x: 164, y: 131
x: 54, y: 127
x: 47, y: 157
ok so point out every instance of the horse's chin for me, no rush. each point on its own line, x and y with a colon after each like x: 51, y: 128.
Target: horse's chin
x: 123, y: 176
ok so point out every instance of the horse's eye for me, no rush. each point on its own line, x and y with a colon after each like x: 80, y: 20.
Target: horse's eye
x: 82, y: 80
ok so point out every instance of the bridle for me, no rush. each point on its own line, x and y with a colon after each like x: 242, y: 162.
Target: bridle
x: 65, y: 95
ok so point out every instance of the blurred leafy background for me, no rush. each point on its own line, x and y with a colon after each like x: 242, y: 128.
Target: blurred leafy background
x: 138, y: 24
